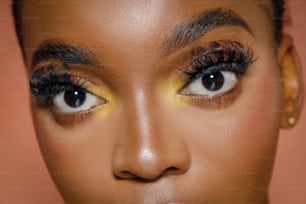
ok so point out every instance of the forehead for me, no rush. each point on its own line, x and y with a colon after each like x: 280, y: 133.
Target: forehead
x: 139, y: 24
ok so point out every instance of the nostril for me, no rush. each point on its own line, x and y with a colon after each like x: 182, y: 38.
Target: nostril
x: 129, y: 175
x: 166, y: 172
x: 171, y: 171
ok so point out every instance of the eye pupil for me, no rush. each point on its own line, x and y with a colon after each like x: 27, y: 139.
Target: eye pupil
x: 213, y: 82
x: 74, y: 98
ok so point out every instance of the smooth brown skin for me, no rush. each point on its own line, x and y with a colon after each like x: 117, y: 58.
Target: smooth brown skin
x: 148, y: 145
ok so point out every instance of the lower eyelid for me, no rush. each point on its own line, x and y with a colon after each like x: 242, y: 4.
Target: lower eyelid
x: 70, y: 119
x: 218, y: 102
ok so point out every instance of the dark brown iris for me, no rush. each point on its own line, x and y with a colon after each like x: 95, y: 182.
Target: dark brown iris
x: 213, y: 82
x: 74, y: 98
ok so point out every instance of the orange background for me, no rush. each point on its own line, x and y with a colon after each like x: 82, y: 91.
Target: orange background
x: 23, y: 176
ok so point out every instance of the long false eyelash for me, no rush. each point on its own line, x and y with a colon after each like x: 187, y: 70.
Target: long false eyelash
x: 48, y: 81
x: 220, y: 56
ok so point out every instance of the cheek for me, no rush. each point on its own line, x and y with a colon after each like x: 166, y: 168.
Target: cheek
x: 235, y: 147
x: 78, y: 158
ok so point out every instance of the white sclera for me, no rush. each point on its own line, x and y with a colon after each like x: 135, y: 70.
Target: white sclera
x: 196, y: 87
x: 61, y: 106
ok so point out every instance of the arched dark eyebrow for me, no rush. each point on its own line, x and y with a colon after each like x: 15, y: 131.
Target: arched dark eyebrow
x: 186, y: 33
x: 58, y: 50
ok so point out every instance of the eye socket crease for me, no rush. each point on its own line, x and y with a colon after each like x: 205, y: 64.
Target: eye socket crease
x: 184, y: 34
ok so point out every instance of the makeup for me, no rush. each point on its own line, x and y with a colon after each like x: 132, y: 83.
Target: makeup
x: 66, y: 94
x: 214, y: 73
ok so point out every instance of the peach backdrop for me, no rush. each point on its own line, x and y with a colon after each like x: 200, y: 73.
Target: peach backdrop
x: 23, y: 176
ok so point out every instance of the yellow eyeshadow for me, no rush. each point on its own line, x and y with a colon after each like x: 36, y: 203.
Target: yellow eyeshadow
x: 170, y: 89
x: 111, y: 102
x: 104, y: 111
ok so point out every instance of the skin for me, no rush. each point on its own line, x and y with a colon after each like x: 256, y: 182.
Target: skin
x: 147, y: 144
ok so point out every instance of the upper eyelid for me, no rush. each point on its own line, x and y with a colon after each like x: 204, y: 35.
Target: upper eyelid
x: 49, y: 76
x: 216, y: 52
x: 221, y: 46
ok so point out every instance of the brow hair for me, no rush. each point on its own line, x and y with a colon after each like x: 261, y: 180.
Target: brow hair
x: 63, y: 52
x: 199, y: 25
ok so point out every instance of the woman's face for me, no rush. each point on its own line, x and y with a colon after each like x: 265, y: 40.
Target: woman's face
x: 155, y: 101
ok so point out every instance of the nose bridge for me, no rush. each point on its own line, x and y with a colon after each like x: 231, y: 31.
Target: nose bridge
x: 142, y: 120
x: 143, y: 152
x: 141, y: 132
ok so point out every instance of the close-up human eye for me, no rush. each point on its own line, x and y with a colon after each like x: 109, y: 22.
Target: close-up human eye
x: 217, y: 71
x: 211, y: 85
x: 75, y: 100
x: 64, y: 93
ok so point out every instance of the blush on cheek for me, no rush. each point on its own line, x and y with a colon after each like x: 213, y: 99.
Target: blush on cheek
x: 262, y: 102
x: 253, y: 126
x: 259, y: 121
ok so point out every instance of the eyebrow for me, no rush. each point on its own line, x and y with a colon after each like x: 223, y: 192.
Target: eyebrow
x: 187, y: 33
x: 58, y: 50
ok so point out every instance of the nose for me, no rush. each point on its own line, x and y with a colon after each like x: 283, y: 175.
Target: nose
x: 144, y: 151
